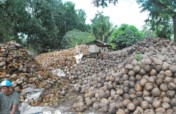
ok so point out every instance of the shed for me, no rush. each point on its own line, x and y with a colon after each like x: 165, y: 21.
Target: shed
x: 96, y: 46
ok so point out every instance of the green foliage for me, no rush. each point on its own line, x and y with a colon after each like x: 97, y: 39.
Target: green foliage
x: 81, y: 20
x: 42, y: 22
x: 12, y: 16
x: 162, y: 16
x: 124, y: 36
x: 104, y: 3
x: 138, y: 56
x: 148, y: 33
x: 101, y: 27
x: 163, y: 27
x: 76, y: 37
x: 74, y: 19
x: 44, y: 36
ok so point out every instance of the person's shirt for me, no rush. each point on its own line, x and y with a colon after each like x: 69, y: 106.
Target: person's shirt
x: 6, y: 103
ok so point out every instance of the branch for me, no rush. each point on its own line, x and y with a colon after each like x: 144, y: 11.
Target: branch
x: 161, y: 5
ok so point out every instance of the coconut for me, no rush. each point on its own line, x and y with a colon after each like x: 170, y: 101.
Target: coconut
x: 156, y: 103
x: 143, y: 81
x: 156, y: 92
x: 131, y: 107
x: 148, y: 86
x: 96, y: 105
x: 165, y: 105
x: 168, y: 73
x: 120, y: 111
x: 163, y: 87
x: 138, y: 87
x: 144, y: 105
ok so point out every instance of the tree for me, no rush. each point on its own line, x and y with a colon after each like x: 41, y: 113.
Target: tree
x: 101, y: 27
x: 76, y: 37
x: 104, y: 3
x: 52, y: 20
x: 43, y: 36
x: 161, y: 11
x: 148, y: 33
x: 42, y: 22
x: 12, y: 16
x: 163, y: 28
x: 124, y: 36
x: 81, y: 20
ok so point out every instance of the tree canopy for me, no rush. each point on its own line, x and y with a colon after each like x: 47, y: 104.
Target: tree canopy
x: 162, y: 14
x: 124, y: 36
x: 43, y: 23
x: 46, y: 24
x: 104, y: 3
x: 76, y: 37
x: 101, y: 27
x: 148, y: 33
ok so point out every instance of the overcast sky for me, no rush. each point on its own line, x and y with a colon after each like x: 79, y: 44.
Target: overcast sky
x: 125, y: 11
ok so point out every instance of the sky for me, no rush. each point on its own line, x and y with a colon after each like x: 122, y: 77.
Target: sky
x: 124, y: 12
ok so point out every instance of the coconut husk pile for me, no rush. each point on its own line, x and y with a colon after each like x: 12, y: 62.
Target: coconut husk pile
x: 135, y: 80
x: 140, y: 79
x: 60, y: 59
x: 24, y: 72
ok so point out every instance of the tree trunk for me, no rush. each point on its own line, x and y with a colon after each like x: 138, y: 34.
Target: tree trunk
x: 174, y: 22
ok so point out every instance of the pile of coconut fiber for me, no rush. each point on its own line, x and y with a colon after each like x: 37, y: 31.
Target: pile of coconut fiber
x: 63, y: 59
x: 24, y: 72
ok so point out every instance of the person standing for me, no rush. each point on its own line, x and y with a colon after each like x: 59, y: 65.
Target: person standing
x: 101, y: 55
x: 9, y: 99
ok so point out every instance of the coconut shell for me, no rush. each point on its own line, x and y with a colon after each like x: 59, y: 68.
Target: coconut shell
x: 138, y: 87
x: 131, y: 107
x: 156, y: 92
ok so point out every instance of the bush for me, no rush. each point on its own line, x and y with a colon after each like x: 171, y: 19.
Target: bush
x: 124, y: 36
x: 76, y: 37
